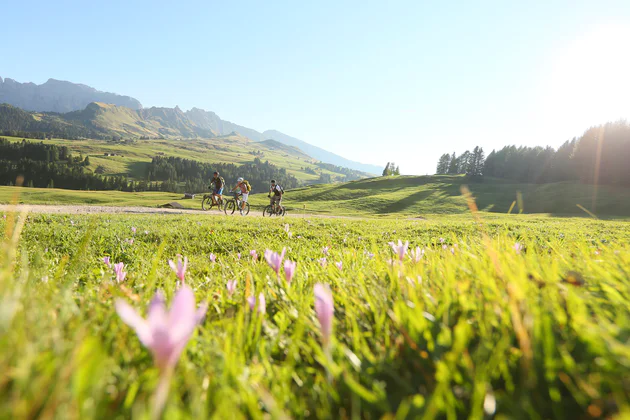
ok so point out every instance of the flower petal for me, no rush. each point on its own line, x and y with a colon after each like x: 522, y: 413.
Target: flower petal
x: 181, y: 318
x: 131, y: 317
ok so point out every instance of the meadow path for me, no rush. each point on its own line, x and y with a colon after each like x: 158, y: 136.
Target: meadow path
x: 94, y: 209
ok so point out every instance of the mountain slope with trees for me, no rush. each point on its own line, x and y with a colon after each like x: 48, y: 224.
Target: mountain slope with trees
x: 599, y: 156
x: 61, y: 97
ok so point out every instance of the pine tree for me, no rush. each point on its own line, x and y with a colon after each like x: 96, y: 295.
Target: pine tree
x: 453, y: 166
x: 443, y: 164
x: 386, y: 171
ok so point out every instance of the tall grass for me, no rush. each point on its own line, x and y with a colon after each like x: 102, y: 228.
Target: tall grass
x: 476, y: 328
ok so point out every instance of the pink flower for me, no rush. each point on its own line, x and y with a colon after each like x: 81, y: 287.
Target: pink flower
x: 416, y: 254
x: 254, y: 254
x: 339, y: 265
x: 518, y: 248
x: 120, y: 274
x: 275, y: 260
x: 146, y: 232
x: 213, y: 258
x: 133, y: 230
x: 444, y: 246
x: 323, y: 262
x: 262, y: 304
x: 130, y: 241
x: 238, y: 256
x: 231, y: 287
x: 287, y: 228
x: 400, y: 249
x: 289, y: 270
x: 325, y: 250
x: 180, y: 268
x: 107, y: 261
x: 164, y: 333
x: 441, y: 240
x: 324, y: 308
x: 370, y: 255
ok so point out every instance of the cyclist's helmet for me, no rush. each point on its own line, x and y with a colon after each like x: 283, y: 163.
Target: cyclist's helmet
x: 239, y: 180
x: 216, y: 173
x: 273, y: 181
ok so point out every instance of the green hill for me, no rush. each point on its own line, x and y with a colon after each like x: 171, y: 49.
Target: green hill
x: 441, y: 194
x: 131, y: 158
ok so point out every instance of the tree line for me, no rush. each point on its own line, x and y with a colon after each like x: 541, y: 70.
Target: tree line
x: 195, y: 176
x: 469, y: 163
x: 51, y: 166
x: 47, y: 166
x: 599, y: 156
x: 391, y: 169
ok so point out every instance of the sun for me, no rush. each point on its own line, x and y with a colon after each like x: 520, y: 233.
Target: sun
x: 589, y: 81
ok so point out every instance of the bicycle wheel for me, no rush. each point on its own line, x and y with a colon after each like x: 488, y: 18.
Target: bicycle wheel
x: 230, y: 207
x: 246, y: 209
x: 206, y: 203
x: 268, y: 211
x: 282, y: 212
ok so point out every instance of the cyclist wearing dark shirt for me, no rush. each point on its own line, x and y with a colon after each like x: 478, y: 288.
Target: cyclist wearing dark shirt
x: 275, y: 194
x: 217, y: 185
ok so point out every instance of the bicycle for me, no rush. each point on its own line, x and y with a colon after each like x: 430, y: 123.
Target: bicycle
x: 207, y: 203
x: 274, y: 210
x: 235, y: 203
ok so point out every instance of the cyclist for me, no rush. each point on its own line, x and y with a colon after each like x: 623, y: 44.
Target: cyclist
x: 216, y: 185
x: 275, y: 194
x: 244, y: 188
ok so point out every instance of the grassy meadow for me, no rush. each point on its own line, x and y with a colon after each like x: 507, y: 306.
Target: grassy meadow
x: 504, y: 316
x: 132, y: 159
x: 386, y: 197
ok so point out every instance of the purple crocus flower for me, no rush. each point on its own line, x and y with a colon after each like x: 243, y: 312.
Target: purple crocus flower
x: 339, y: 265
x: 133, y: 230
x: 120, y: 274
x: 262, y: 304
x: 213, y: 258
x: 130, y: 241
x: 274, y: 259
x: 238, y: 256
x: 324, y: 308
x: 164, y: 333
x: 323, y: 262
x: 400, y: 249
x: 289, y: 270
x: 325, y: 250
x: 416, y: 254
x: 254, y: 254
x: 107, y: 261
x: 180, y: 268
x: 231, y: 287
x: 518, y: 247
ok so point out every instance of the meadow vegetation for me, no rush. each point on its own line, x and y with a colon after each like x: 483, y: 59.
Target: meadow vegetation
x: 514, y: 316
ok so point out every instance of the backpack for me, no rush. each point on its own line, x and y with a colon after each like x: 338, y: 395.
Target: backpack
x: 222, y: 181
x: 249, y: 187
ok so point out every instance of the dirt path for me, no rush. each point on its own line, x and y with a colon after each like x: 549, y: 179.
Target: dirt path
x: 85, y: 209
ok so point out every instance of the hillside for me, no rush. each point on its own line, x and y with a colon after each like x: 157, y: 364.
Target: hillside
x: 420, y: 195
x: 58, y: 96
x: 211, y: 121
x: 131, y: 158
x: 102, y: 121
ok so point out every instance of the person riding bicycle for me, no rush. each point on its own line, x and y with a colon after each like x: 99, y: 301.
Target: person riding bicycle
x: 275, y: 195
x: 216, y: 185
x: 244, y: 188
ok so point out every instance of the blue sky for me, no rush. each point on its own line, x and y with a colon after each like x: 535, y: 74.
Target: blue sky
x: 373, y: 81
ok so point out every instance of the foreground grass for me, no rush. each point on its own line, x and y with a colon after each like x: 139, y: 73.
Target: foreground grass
x: 474, y: 328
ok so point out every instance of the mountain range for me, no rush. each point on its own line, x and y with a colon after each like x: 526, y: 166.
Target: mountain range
x: 77, y: 110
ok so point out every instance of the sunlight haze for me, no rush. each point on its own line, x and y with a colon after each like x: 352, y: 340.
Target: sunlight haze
x: 371, y: 81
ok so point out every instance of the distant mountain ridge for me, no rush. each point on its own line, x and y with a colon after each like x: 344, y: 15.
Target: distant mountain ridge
x: 58, y: 96
x: 210, y: 120
x: 129, y: 118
